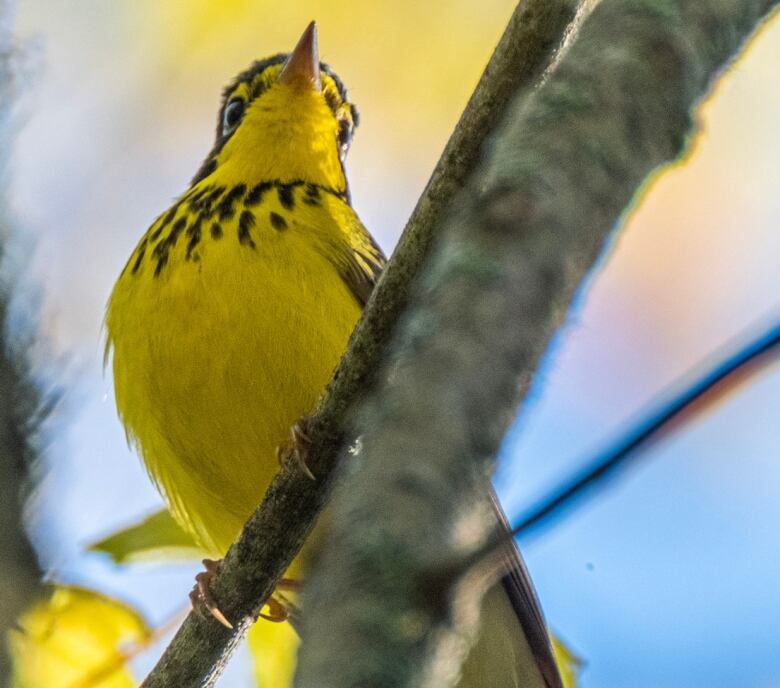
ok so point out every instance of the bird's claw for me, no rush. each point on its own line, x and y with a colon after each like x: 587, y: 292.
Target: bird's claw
x: 277, y: 613
x: 201, y: 595
x: 296, y: 447
x: 282, y: 609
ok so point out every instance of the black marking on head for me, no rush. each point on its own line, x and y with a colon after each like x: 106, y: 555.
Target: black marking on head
x: 216, y: 231
x: 245, y: 224
x: 248, y: 77
x: 345, y: 129
x: 332, y: 100
x: 278, y: 222
x: 285, y: 193
x: 227, y: 207
x: 256, y: 194
x: 339, y: 87
x: 257, y: 87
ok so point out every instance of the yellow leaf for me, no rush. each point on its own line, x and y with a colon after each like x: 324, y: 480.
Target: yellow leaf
x: 75, y: 639
x: 274, y: 648
x: 156, y: 538
x: 568, y: 663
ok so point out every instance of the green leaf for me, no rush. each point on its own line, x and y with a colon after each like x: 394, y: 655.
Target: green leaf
x: 157, y: 538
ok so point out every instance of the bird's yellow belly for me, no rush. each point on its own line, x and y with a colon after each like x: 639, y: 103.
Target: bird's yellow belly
x: 215, y: 359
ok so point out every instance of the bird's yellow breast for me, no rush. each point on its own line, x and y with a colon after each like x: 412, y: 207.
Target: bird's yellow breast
x: 225, y: 327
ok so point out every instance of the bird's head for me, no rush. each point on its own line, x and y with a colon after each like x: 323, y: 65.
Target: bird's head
x: 285, y: 118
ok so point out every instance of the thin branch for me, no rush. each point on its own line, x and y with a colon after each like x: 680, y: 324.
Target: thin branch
x: 275, y: 533
x: 677, y: 409
x: 733, y: 370
x: 509, y: 258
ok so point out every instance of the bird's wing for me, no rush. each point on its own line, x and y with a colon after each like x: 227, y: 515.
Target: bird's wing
x: 358, y: 258
x: 514, y: 630
x: 522, y: 595
x: 512, y: 648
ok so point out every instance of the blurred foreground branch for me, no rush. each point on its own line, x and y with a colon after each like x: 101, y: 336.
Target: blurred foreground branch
x: 276, y: 531
x: 514, y: 249
x: 19, y: 401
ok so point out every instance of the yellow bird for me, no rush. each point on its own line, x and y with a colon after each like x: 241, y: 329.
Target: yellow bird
x: 235, y: 306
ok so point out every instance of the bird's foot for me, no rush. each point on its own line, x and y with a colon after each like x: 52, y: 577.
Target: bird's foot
x: 290, y: 584
x: 296, y: 447
x: 277, y: 611
x: 282, y: 609
x: 201, y: 595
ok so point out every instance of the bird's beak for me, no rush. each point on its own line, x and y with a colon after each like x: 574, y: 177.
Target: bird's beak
x: 303, y: 65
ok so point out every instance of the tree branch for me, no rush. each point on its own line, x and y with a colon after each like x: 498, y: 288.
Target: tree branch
x: 675, y: 410
x: 20, y: 402
x: 275, y: 533
x: 510, y: 256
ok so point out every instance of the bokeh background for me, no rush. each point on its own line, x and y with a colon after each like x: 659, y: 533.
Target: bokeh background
x: 668, y: 578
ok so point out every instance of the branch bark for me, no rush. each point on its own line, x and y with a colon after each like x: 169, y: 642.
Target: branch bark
x: 275, y: 533
x: 510, y: 256
x: 19, y: 401
x: 19, y: 414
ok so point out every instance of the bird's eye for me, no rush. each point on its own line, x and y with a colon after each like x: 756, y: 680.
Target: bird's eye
x: 234, y: 111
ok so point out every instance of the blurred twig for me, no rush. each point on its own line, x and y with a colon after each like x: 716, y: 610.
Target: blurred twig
x: 508, y: 260
x: 19, y: 399
x: 693, y: 399
x: 676, y: 409
x: 276, y: 531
